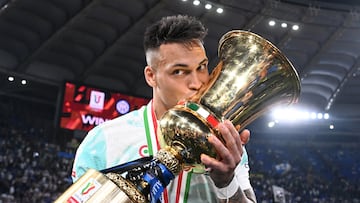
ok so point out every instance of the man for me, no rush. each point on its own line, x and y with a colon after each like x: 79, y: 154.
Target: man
x: 177, y: 67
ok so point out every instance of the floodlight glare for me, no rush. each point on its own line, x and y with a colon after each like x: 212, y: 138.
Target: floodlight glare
x: 208, y: 6
x: 220, y: 10
x: 293, y: 114
x: 271, y: 124
x: 319, y: 115
x: 11, y: 78
x: 284, y: 25
x: 295, y: 27
x: 196, y: 2
x: 272, y: 23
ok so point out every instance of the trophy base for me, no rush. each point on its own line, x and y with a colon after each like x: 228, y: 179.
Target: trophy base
x: 94, y: 186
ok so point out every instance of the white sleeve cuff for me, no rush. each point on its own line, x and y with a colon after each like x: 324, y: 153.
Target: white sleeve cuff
x: 228, y: 191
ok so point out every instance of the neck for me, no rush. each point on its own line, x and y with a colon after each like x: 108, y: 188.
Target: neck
x: 158, y: 109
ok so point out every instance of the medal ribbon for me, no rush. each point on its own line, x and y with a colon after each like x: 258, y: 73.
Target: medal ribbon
x: 184, y: 178
x: 150, y: 123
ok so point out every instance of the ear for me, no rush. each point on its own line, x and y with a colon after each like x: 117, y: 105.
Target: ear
x: 150, y: 76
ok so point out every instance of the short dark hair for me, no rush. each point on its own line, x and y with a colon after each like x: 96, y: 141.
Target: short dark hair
x: 179, y: 28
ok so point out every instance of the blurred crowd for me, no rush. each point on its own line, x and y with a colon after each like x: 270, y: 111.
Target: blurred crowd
x: 31, y: 170
x: 37, y: 168
x: 33, y: 167
x: 316, y: 173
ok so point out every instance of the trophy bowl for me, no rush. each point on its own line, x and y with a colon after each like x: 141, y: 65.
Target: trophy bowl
x: 251, y: 77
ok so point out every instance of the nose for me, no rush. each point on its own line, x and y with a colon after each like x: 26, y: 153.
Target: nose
x: 196, y: 81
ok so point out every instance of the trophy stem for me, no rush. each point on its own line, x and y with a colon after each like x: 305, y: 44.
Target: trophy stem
x: 170, y: 157
x: 151, y: 183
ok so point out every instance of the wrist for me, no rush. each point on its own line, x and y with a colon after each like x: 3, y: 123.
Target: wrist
x: 227, y: 191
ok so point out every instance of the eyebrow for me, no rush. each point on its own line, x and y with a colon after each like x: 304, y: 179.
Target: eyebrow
x: 204, y: 60
x: 185, y: 65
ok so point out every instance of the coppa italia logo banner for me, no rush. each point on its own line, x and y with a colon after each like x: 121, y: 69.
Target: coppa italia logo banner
x: 85, y: 192
x: 97, y: 99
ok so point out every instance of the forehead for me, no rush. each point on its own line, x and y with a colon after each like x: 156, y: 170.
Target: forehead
x: 193, y: 51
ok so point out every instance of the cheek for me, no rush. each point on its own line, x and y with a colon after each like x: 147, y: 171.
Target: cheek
x: 170, y: 96
x: 172, y: 91
x: 205, y: 77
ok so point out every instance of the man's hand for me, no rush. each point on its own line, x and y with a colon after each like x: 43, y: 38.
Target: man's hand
x: 229, y: 153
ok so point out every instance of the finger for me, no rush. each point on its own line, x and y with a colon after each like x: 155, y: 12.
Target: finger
x: 229, y: 145
x: 220, y: 147
x: 232, y: 139
x: 227, y: 136
x: 210, y: 162
x: 226, y: 160
x: 245, y: 136
x: 235, y: 134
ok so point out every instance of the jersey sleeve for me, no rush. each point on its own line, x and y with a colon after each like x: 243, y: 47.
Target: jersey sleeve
x: 90, y: 154
x: 242, y: 172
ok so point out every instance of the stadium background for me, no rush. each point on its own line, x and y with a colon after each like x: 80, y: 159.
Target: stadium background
x: 44, y: 43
